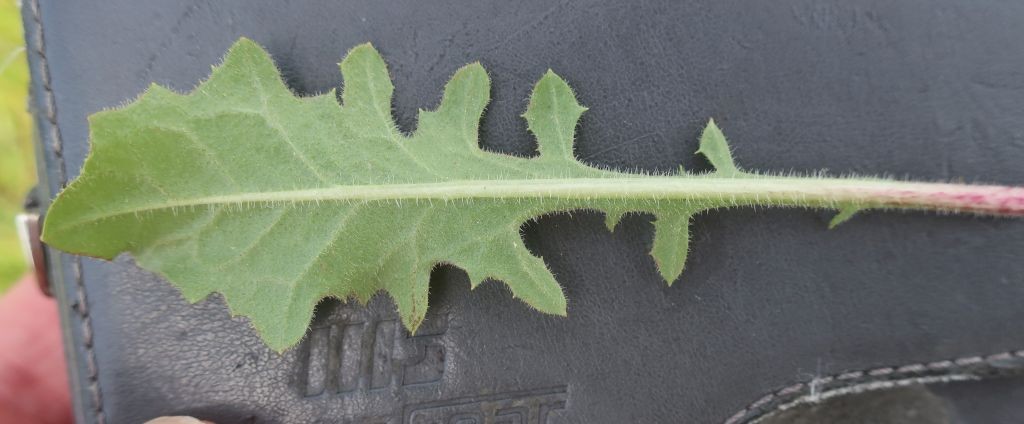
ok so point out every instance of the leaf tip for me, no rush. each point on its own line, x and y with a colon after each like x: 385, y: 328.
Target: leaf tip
x: 710, y: 130
x: 552, y: 115
x: 844, y: 214
x: 473, y: 72
x: 412, y: 321
x: 247, y: 41
x: 246, y: 45
x: 668, y: 273
x: 243, y: 42
x: 473, y: 67
x: 281, y: 343
x: 561, y: 307
x: 361, y: 52
x: 556, y: 84
x: 715, y: 147
x: 152, y: 91
x: 367, y: 46
x: 361, y: 49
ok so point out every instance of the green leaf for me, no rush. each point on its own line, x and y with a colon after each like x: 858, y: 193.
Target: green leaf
x: 714, y: 147
x: 844, y: 214
x: 671, y: 241
x: 277, y: 201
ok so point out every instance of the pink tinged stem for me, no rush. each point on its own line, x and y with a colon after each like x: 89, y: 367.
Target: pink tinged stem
x: 977, y: 199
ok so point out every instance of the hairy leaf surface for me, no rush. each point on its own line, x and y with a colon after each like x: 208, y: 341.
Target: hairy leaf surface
x: 276, y: 201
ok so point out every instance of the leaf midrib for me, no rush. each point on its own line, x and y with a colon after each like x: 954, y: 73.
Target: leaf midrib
x: 748, y: 190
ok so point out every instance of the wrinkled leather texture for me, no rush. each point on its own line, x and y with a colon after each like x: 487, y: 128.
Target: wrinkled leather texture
x: 963, y: 402
x: 772, y: 306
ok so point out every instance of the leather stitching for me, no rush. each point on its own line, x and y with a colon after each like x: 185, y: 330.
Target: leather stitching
x: 970, y: 367
x: 49, y: 108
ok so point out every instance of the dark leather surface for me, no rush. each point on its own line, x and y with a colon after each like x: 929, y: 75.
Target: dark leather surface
x: 961, y: 402
x: 772, y: 306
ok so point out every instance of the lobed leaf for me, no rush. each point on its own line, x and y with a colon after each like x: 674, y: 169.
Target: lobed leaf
x: 276, y: 201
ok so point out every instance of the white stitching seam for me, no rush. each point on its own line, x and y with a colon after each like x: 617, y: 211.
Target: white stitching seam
x: 956, y: 369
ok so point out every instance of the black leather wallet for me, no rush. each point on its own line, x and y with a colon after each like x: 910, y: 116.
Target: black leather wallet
x: 773, y: 311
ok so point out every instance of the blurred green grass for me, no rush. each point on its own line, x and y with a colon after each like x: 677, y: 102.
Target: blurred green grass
x: 17, y: 173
